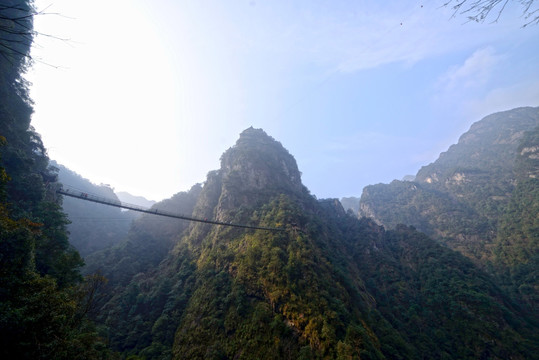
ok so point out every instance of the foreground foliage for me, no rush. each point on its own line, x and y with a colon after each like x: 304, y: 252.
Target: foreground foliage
x: 43, y: 298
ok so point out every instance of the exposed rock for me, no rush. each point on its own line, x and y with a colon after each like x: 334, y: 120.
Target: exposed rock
x: 462, y: 195
x: 255, y: 168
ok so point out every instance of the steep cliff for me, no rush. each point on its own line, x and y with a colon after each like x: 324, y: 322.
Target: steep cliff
x: 253, y: 171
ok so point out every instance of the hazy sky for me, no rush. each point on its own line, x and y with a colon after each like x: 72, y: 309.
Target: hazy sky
x: 146, y: 95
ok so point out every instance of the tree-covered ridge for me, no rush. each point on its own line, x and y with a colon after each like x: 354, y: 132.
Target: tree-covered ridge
x: 517, y: 242
x: 147, y: 243
x: 92, y: 226
x: 479, y: 198
x: 442, y: 304
x: 437, y: 213
x: 43, y: 301
x: 479, y: 168
x: 270, y: 295
x: 462, y: 195
x: 490, y: 143
x: 331, y: 287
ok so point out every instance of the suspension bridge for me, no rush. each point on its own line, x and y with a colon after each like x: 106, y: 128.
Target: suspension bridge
x: 67, y: 190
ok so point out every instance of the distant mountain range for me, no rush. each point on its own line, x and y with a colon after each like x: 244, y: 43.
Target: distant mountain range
x: 133, y: 199
x: 350, y: 204
x: 331, y: 285
x: 95, y: 226
x: 92, y: 226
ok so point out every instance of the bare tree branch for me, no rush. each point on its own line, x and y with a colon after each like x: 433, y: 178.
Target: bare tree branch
x: 480, y: 10
x: 17, y: 34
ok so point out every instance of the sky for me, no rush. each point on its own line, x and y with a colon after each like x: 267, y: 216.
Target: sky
x: 146, y: 96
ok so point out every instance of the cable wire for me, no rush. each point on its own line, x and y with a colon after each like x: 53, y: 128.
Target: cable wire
x: 78, y: 194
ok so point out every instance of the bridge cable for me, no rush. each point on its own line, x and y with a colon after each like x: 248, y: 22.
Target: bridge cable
x: 78, y: 194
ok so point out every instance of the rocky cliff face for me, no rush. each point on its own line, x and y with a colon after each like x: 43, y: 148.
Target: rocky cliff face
x: 262, y: 162
x: 255, y: 169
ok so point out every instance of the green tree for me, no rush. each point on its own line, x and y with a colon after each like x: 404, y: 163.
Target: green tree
x: 41, y: 294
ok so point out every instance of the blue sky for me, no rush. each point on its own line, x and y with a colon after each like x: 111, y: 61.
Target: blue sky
x: 147, y: 95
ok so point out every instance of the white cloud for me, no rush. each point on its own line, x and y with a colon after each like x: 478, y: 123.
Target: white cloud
x: 474, y: 72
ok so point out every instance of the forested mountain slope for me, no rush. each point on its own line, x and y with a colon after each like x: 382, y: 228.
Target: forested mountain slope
x: 42, y: 298
x: 479, y: 198
x: 516, y: 248
x: 329, y: 286
x: 135, y: 200
x: 147, y: 242
x: 92, y: 226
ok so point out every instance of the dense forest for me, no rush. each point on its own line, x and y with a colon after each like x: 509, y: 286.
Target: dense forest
x: 43, y: 298
x: 479, y: 198
x: 458, y: 284
x: 330, y: 286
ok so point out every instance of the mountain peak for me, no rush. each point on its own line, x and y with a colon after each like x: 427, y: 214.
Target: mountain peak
x: 489, y: 146
x: 254, y: 170
x: 259, y: 162
x: 255, y: 134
